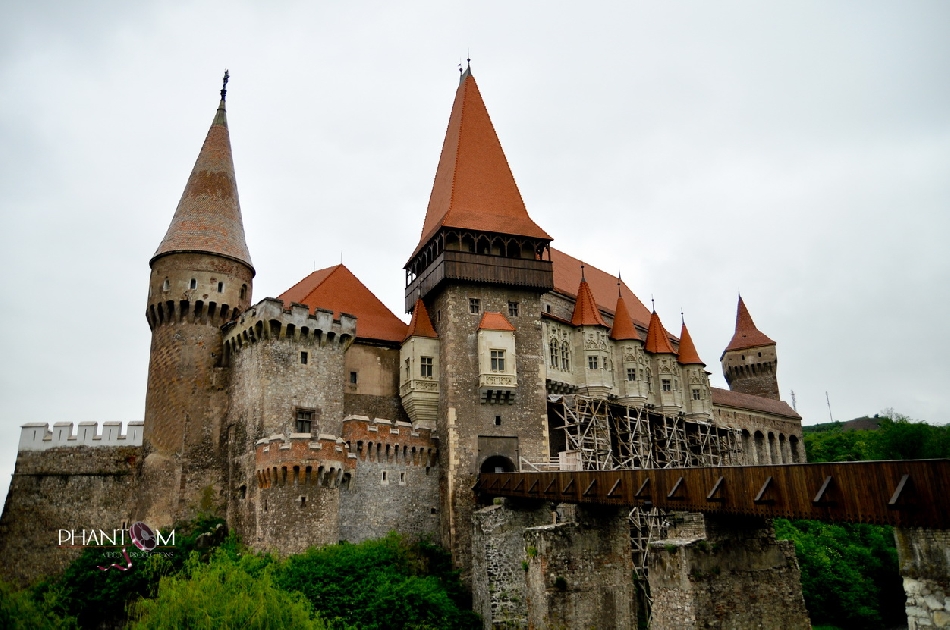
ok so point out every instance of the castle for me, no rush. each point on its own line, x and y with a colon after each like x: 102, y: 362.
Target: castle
x: 319, y: 416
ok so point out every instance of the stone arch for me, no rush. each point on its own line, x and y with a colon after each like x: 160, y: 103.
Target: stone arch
x: 497, y: 463
x: 761, y: 451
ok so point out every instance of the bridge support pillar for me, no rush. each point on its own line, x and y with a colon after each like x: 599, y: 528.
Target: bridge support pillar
x: 924, y: 557
x: 580, y: 574
x: 737, y: 577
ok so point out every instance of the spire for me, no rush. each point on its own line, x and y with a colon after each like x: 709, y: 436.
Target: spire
x: 688, y: 354
x: 658, y: 340
x: 474, y: 188
x: 623, y: 323
x: 208, y: 217
x: 421, y: 325
x: 586, y: 312
x: 746, y: 335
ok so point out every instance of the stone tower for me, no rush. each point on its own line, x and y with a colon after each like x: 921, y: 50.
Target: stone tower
x: 749, y: 361
x: 200, y: 279
x: 480, y: 268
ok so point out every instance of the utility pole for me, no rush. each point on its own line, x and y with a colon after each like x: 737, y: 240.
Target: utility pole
x: 793, y: 401
x: 828, y: 400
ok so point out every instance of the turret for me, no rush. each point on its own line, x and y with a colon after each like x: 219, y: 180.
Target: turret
x: 419, y: 373
x: 595, y: 368
x: 663, y: 373
x: 749, y: 362
x: 632, y: 362
x: 201, y: 278
x: 697, y: 400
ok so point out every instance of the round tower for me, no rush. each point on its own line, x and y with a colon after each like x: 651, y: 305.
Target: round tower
x: 749, y: 362
x: 201, y: 278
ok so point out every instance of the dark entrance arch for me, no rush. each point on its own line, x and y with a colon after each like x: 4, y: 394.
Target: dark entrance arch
x: 497, y: 463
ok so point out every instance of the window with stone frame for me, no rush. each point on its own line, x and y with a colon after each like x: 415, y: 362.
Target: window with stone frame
x: 425, y: 367
x: 565, y: 355
x: 667, y: 385
x: 555, y: 353
x: 304, y: 421
x: 474, y: 306
x: 512, y: 309
x: 696, y: 394
x: 497, y: 360
x: 593, y: 362
x: 631, y: 374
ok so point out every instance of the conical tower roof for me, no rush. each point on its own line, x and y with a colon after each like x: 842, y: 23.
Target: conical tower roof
x: 658, y: 340
x: 623, y: 323
x: 474, y: 188
x: 586, y: 312
x: 688, y: 354
x: 208, y: 217
x: 747, y: 335
x: 421, y: 325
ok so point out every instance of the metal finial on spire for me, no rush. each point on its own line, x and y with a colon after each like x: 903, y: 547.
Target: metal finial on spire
x: 619, y: 283
x: 583, y: 279
x: 224, y: 85
x: 652, y: 303
x: 682, y: 317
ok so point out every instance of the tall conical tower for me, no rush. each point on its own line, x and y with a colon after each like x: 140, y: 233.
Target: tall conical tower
x: 749, y: 362
x: 201, y: 278
x: 480, y: 268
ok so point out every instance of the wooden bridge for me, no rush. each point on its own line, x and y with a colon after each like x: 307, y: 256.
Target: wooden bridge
x: 904, y: 493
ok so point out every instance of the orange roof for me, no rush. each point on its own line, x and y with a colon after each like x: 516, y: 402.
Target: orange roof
x: 495, y: 321
x: 208, y: 217
x: 567, y: 277
x: 586, y: 312
x: 421, y: 325
x: 747, y: 335
x: 688, y: 354
x: 623, y: 323
x: 728, y: 398
x: 474, y: 188
x: 337, y: 289
x: 658, y: 340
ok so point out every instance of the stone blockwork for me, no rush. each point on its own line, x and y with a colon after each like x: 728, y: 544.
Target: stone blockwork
x: 924, y: 556
x: 72, y: 488
x: 580, y: 573
x: 499, y: 560
x: 739, y: 577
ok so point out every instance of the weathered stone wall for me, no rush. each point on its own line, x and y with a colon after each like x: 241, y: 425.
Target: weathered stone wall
x: 376, y: 391
x: 738, y: 577
x: 779, y: 439
x: 74, y: 488
x: 580, y: 574
x: 752, y: 371
x: 462, y: 417
x: 924, y: 556
x: 387, y: 407
x: 498, y: 554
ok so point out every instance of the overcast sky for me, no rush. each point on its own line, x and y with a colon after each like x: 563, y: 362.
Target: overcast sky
x: 798, y: 152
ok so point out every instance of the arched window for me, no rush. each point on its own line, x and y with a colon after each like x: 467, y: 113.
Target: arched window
x: 566, y: 356
x: 555, y: 353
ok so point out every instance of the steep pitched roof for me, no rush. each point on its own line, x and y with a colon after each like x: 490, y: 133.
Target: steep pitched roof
x: 420, y: 325
x: 495, y: 321
x: 208, y: 217
x: 586, y: 312
x: 623, y: 323
x: 658, y: 340
x: 746, y: 335
x: 337, y: 289
x: 474, y: 188
x: 688, y: 354
x: 738, y: 400
x: 567, y: 277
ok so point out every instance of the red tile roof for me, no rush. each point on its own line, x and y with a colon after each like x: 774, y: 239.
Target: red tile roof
x: 747, y: 335
x: 474, y: 188
x: 728, y: 398
x: 208, y: 217
x: 586, y: 312
x: 688, y: 354
x: 337, y: 289
x: 420, y: 325
x: 658, y: 340
x: 495, y: 321
x: 623, y: 323
x: 567, y: 277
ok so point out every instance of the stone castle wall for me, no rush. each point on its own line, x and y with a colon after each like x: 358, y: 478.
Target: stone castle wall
x: 924, y: 556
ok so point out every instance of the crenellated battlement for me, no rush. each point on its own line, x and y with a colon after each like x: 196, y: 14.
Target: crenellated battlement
x: 37, y: 436
x: 191, y: 312
x: 303, y: 459
x: 270, y: 319
x: 398, y: 442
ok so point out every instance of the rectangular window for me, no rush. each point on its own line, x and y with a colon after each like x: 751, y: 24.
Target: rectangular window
x: 220, y: 287
x: 304, y: 422
x: 565, y: 356
x: 497, y: 360
x: 555, y: 354
x: 696, y: 394
x: 194, y: 284
x: 592, y: 362
x: 631, y: 374
x: 408, y: 371
x: 303, y: 358
x: 352, y: 378
x: 425, y: 367
x: 667, y: 385
x: 474, y: 306
x: 512, y: 309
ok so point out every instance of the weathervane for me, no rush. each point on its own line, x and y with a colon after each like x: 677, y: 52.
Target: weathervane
x: 224, y: 85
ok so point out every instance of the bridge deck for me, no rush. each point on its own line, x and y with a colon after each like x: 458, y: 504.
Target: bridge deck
x: 906, y: 493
